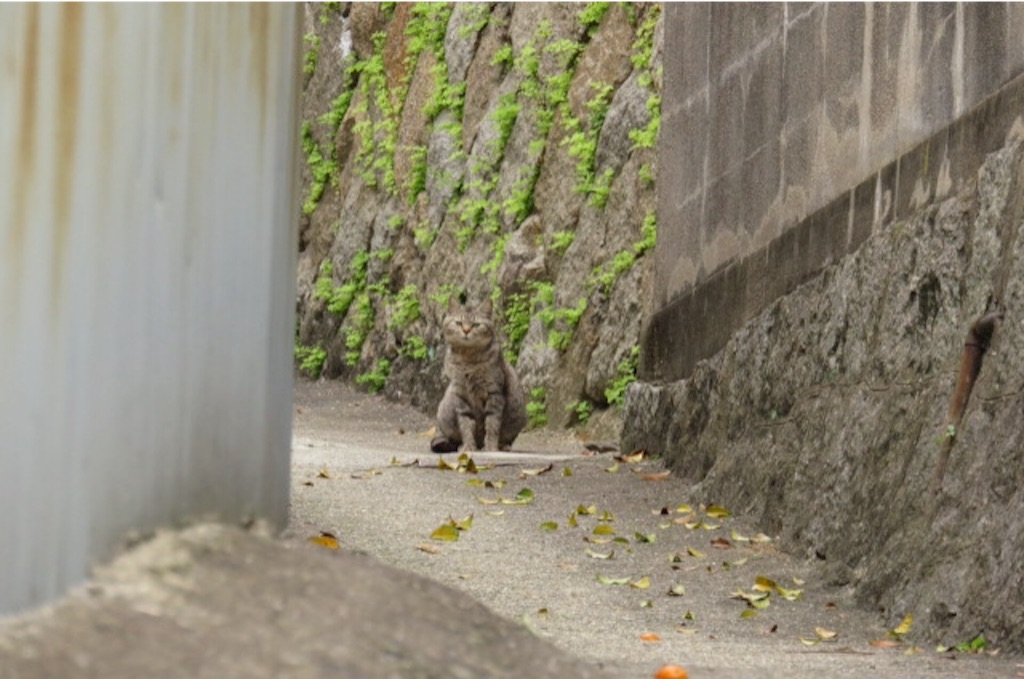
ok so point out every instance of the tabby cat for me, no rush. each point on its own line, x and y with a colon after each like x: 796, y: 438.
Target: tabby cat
x: 484, y: 407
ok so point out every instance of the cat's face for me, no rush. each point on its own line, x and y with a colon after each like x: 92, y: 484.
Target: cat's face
x: 469, y: 328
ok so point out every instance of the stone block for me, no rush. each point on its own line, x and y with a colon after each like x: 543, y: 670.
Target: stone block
x: 844, y: 55
x: 986, y: 42
x: 761, y: 176
x: 936, y: 64
x: 803, y: 70
x: 686, y: 46
x: 762, y: 103
x: 725, y: 126
x: 738, y: 28
x: 887, y: 29
x: 677, y: 258
x: 862, y: 220
x: 686, y: 161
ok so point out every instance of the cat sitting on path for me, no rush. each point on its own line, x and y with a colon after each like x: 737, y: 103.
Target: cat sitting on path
x: 484, y: 407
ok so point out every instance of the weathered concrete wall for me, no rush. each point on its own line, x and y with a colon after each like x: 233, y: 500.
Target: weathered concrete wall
x: 147, y: 221
x: 823, y: 248
x: 792, y: 131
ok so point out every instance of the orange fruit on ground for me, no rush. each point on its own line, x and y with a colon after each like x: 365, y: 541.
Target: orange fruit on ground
x: 671, y: 672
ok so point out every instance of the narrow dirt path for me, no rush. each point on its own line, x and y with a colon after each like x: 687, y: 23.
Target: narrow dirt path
x: 363, y: 473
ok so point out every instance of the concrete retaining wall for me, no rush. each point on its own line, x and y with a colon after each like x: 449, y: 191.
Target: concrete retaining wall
x: 791, y: 131
x: 148, y: 226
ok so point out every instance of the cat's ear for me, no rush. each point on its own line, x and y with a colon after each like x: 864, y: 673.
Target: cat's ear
x: 486, y: 308
x: 453, y: 305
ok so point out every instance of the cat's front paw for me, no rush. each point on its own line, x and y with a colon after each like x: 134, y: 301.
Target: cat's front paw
x: 442, y: 444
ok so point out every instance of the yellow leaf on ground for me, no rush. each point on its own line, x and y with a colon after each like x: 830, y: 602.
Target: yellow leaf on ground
x: 904, y: 627
x: 327, y: 541
x: 462, y: 524
x: 445, y: 533
x: 736, y: 537
x: 600, y: 555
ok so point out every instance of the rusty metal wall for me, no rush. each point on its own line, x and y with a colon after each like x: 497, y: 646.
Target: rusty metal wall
x: 148, y: 183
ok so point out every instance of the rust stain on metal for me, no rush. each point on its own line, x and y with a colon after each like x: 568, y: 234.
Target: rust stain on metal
x: 259, y: 28
x: 26, y: 155
x: 108, y: 82
x: 69, y: 81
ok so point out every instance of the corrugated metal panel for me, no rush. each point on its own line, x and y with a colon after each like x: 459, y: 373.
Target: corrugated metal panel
x: 147, y: 231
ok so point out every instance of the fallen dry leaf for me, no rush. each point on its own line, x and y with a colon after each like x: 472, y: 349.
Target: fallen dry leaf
x: 428, y: 548
x: 635, y: 456
x: 885, y: 643
x: 600, y: 555
x: 649, y: 636
x: 736, y: 537
x: 326, y: 540
x: 656, y: 476
x: 524, y: 473
x: 716, y: 512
